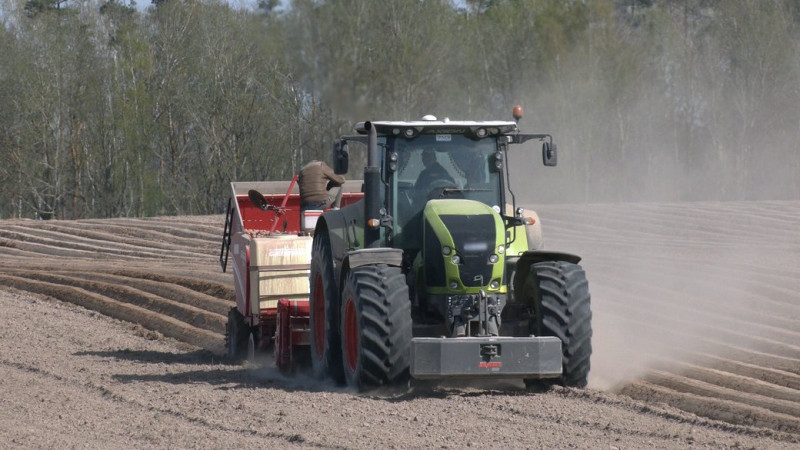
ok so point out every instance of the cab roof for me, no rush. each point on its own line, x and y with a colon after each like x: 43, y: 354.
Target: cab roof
x: 410, y: 129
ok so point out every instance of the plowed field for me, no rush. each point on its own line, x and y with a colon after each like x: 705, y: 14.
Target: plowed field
x: 696, y: 320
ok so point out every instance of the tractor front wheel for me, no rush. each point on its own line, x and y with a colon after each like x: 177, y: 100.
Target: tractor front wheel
x: 559, y: 294
x: 376, y: 326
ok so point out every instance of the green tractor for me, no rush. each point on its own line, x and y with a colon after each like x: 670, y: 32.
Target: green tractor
x: 436, y: 273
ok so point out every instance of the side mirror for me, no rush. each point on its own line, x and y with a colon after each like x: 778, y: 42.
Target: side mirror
x: 341, y: 157
x: 549, y: 154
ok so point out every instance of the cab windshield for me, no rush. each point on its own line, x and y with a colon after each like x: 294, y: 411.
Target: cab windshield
x: 440, y: 167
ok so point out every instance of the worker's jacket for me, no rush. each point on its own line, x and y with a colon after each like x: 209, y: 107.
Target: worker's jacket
x: 314, y: 179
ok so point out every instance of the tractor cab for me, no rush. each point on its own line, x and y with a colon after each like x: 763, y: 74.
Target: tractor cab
x: 433, y: 159
x: 438, y: 167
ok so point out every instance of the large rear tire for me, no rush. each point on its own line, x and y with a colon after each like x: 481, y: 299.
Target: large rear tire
x: 236, y: 335
x: 376, y: 327
x: 326, y: 356
x: 560, y: 296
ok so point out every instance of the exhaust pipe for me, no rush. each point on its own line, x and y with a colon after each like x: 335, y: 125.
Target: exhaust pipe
x: 372, y: 190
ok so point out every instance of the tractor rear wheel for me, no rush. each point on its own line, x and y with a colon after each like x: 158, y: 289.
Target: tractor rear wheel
x: 561, y: 303
x: 376, y: 326
x: 326, y: 356
x: 236, y: 335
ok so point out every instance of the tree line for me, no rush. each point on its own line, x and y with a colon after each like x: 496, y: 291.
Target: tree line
x: 111, y: 111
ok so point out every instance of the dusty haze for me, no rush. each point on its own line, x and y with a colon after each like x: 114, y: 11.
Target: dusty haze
x: 656, y: 186
x: 682, y: 281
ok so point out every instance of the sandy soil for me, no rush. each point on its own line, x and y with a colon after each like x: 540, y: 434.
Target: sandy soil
x: 111, y: 331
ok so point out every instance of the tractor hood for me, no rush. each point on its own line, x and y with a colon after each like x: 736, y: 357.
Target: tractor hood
x: 463, y: 247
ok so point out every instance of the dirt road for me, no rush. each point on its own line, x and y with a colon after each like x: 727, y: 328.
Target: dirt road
x: 111, y: 330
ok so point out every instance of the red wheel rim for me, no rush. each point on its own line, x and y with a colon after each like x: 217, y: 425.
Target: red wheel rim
x: 350, y: 334
x: 319, y: 317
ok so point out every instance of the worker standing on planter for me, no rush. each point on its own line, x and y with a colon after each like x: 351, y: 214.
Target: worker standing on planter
x: 319, y: 186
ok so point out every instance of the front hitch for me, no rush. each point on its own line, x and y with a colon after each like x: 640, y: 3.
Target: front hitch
x: 473, y: 315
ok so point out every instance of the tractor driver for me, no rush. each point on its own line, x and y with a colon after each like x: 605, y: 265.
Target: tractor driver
x: 319, y: 186
x: 433, y: 171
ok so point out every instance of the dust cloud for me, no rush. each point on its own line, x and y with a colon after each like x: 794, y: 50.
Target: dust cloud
x: 263, y: 370
x: 673, y: 283
x: 685, y: 224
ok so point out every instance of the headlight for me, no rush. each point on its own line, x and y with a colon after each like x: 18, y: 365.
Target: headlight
x: 446, y: 250
x: 500, y: 249
x: 494, y: 284
x: 453, y: 285
x: 455, y: 259
x: 493, y: 258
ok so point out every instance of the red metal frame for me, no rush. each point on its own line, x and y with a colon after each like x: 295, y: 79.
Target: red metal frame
x: 281, y: 210
x: 257, y: 219
x: 292, y: 331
